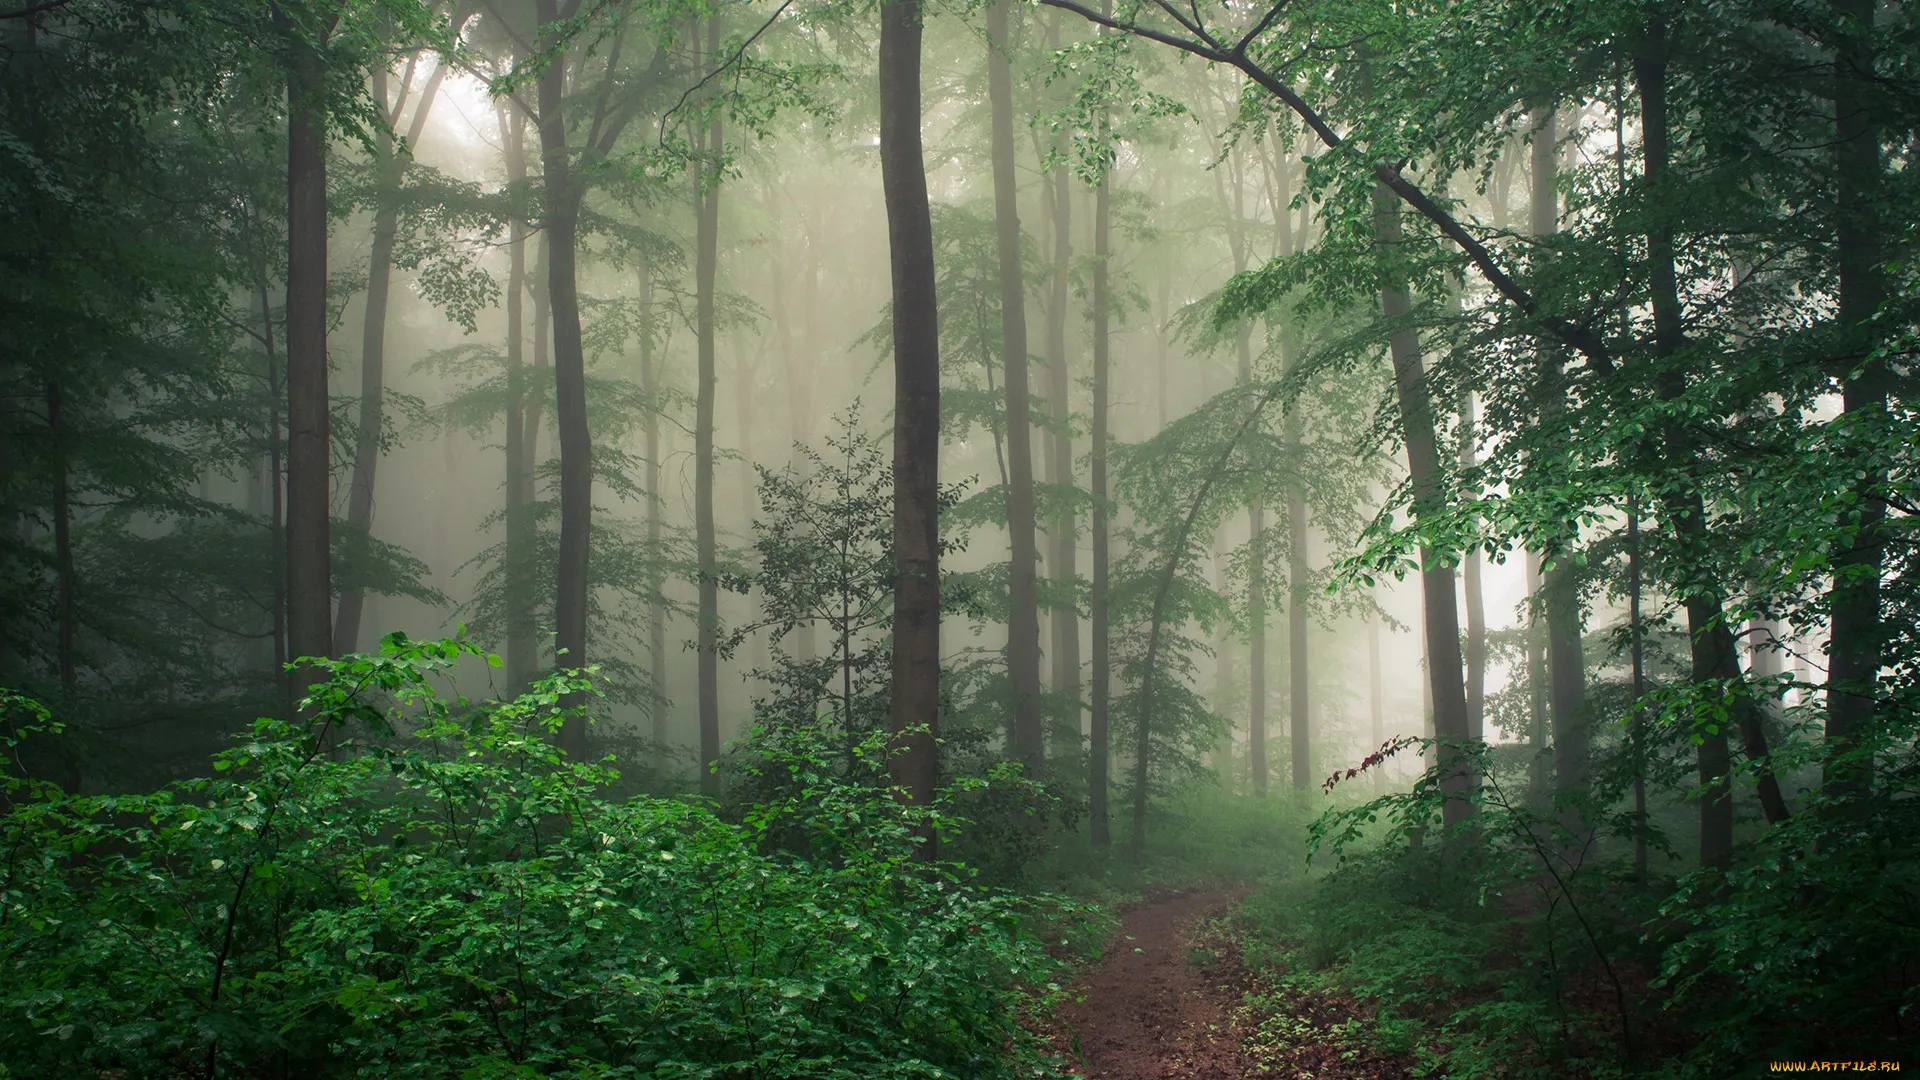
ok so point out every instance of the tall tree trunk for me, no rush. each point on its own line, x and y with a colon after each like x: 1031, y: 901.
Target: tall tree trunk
x: 1102, y: 675
x: 1636, y: 723
x: 706, y: 269
x: 569, y: 377
x: 1853, y: 648
x: 1475, y: 596
x: 1023, y: 610
x: 66, y: 615
x: 1566, y: 665
x: 914, y: 715
x: 309, y: 592
x: 1376, y: 710
x: 1234, y: 207
x: 1539, y: 780
x: 1299, y: 591
x: 523, y: 648
x: 276, y: 497
x: 1713, y: 654
x: 390, y: 169
x: 656, y: 568
x: 1064, y: 623
x: 1444, y: 674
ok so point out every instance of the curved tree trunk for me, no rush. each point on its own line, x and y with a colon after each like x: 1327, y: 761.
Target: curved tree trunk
x: 914, y: 714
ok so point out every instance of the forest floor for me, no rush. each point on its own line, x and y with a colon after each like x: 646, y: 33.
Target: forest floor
x: 1171, y: 1000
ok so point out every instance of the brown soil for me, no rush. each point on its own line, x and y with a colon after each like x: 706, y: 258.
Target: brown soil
x: 1170, y: 1000
x: 1148, y: 1011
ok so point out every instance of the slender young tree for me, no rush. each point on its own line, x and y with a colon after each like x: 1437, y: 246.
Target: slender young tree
x: 1560, y: 587
x: 1102, y: 674
x: 390, y: 167
x: 914, y: 714
x: 1023, y: 612
x: 1445, y: 678
x: 706, y: 269
x: 1063, y: 532
x: 523, y: 649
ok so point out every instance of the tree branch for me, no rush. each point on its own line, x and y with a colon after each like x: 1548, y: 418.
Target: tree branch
x: 1569, y: 333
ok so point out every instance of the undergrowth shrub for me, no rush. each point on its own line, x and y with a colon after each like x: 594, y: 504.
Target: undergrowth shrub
x: 458, y: 901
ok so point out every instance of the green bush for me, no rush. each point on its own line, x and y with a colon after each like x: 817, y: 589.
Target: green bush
x: 459, y: 902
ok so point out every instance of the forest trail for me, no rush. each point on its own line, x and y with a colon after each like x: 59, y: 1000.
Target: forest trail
x: 1147, y: 1012
x: 1163, y: 1004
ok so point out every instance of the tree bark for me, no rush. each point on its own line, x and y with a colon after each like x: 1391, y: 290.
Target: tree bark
x: 1375, y: 707
x: 1023, y: 612
x: 523, y: 649
x: 1064, y: 623
x: 656, y: 570
x: 1102, y: 674
x: 569, y: 379
x: 309, y: 592
x: 1560, y: 594
x: 914, y: 715
x: 1475, y: 596
x: 390, y: 169
x: 1853, y: 647
x: 1713, y: 654
x: 1445, y: 677
x: 706, y: 269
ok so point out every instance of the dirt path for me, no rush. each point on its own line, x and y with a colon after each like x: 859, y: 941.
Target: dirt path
x: 1164, y: 1003
x: 1148, y: 1011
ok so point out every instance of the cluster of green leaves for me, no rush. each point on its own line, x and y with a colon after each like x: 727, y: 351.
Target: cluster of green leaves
x: 444, y: 894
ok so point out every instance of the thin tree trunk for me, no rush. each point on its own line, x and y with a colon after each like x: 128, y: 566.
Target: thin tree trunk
x: 1475, y: 596
x: 522, y: 647
x: 569, y: 379
x: 1299, y: 592
x: 1445, y: 676
x: 656, y: 569
x: 1064, y: 623
x: 276, y: 500
x: 1023, y: 611
x: 1566, y: 665
x: 65, y: 613
x: 309, y: 457
x: 1376, y: 709
x: 914, y: 714
x: 1637, y: 724
x: 1538, y: 780
x: 390, y: 169
x: 706, y: 269
x: 1100, y: 740
x: 1853, y: 648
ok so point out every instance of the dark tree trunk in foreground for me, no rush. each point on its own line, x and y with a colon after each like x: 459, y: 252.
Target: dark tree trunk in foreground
x: 309, y: 591
x: 1714, y: 655
x: 1102, y: 674
x: 915, y: 710
x: 1023, y: 612
x: 706, y: 269
x: 1853, y: 650
x: 1445, y: 678
x: 569, y: 379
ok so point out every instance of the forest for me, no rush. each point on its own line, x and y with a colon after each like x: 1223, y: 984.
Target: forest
x: 1129, y: 539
